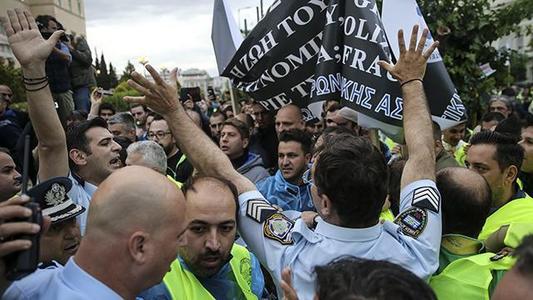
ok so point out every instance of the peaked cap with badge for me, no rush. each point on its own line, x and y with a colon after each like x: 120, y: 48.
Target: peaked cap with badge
x: 52, y: 196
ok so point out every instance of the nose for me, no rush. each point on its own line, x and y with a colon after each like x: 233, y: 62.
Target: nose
x: 182, y: 240
x: 116, y: 147
x: 212, y: 242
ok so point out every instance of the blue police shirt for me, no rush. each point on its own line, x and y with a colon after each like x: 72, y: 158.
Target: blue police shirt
x: 280, y: 242
x: 221, y: 286
x: 81, y: 193
x: 60, y: 283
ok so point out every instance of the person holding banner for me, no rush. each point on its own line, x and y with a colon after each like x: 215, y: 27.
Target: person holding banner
x: 349, y: 203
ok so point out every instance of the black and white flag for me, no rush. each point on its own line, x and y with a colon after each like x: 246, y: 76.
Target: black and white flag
x: 308, y: 51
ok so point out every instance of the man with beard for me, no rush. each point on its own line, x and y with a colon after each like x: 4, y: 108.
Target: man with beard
x: 211, y: 265
x: 10, y: 179
x: 87, y: 154
x: 287, y: 188
x: 178, y: 166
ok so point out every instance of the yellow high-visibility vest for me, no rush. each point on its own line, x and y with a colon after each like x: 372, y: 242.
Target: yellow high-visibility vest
x: 182, y: 284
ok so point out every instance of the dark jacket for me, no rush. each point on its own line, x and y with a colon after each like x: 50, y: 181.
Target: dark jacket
x: 80, y: 68
x: 57, y: 70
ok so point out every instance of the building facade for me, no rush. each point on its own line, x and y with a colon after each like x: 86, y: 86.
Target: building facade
x: 70, y: 13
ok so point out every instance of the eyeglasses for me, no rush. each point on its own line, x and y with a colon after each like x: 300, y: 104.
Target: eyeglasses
x: 159, y: 135
x: 307, y: 178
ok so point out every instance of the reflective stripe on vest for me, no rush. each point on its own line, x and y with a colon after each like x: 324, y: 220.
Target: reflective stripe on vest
x: 469, y: 278
x: 516, y: 211
x: 182, y: 284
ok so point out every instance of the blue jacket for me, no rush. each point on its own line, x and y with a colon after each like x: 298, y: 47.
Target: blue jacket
x: 286, y: 195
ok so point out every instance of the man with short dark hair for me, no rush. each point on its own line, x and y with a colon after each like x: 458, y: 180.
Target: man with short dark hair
x: 234, y: 142
x: 10, y: 179
x: 265, y: 137
x: 526, y: 171
x: 88, y: 148
x: 178, y: 166
x: 444, y: 159
x: 139, y: 113
x: 123, y: 125
x: 211, y: 265
x: 287, y: 188
x: 498, y: 158
x: 216, y: 122
x: 57, y: 68
x: 106, y: 111
x: 347, y: 185
x: 452, y: 139
x: 490, y: 120
x: 289, y: 117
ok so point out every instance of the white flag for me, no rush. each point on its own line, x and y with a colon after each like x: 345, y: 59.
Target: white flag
x: 225, y: 34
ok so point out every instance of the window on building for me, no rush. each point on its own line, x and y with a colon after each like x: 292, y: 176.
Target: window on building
x: 59, y: 2
x: 79, y: 8
x: 70, y: 5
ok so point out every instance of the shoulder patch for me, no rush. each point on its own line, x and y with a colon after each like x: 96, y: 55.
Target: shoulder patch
x: 426, y: 197
x: 413, y: 221
x: 259, y: 210
x: 278, y: 227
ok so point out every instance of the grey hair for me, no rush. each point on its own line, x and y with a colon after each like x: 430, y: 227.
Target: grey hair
x: 123, y: 118
x: 153, y: 155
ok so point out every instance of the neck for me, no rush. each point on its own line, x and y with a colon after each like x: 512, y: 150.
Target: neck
x: 173, y: 151
x: 239, y: 159
x: 89, y: 177
x: 105, y: 270
x: 506, y: 196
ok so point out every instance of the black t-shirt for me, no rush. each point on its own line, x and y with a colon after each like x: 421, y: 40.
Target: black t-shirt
x: 180, y: 172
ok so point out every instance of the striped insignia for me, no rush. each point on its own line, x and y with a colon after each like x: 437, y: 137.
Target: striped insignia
x: 259, y: 210
x: 426, y: 197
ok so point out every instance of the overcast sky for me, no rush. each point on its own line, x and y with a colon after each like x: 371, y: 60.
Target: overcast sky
x: 167, y: 32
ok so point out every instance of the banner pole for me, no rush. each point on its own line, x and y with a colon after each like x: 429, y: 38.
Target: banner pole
x: 233, y: 103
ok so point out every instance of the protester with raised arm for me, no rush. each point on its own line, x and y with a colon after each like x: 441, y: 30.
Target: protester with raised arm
x: 89, y: 145
x: 348, y: 202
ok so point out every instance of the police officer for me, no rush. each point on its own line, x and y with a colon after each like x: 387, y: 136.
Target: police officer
x: 61, y: 240
x: 349, y: 203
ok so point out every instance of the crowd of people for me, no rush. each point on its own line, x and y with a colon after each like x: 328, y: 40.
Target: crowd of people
x: 186, y: 198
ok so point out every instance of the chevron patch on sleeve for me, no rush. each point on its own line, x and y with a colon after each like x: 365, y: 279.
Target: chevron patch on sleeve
x: 426, y: 197
x: 259, y: 210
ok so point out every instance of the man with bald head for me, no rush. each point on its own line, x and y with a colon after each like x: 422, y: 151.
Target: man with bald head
x: 289, y: 117
x: 466, y: 202
x: 133, y: 233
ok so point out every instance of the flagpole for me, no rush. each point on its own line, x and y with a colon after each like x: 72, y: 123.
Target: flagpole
x: 233, y: 103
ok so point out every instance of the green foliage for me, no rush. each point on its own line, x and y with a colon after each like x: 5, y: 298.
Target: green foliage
x: 113, y: 80
x: 127, y: 72
x: 120, y: 91
x: 12, y: 77
x: 473, y: 25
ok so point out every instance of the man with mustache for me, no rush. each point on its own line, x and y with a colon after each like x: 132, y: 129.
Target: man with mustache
x: 10, y: 179
x: 211, y: 265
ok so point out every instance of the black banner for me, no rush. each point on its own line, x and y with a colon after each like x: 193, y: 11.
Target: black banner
x: 308, y: 51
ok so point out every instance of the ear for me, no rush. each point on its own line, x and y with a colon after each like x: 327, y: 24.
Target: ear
x: 138, y: 247
x: 510, y: 174
x: 245, y: 142
x: 325, y: 205
x: 78, y: 157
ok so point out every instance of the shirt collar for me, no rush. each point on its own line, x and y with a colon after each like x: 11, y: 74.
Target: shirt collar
x: 519, y: 193
x: 348, y: 234
x: 77, y: 277
x: 87, y: 186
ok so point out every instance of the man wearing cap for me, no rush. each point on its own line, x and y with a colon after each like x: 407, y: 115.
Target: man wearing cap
x: 61, y: 240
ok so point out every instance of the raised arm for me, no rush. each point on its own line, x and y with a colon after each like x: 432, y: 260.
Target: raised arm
x: 31, y: 50
x: 409, y: 70
x: 204, y: 155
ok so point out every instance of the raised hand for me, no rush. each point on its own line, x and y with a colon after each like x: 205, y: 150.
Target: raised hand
x: 160, y: 96
x: 25, y: 40
x: 96, y: 97
x: 412, y: 62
